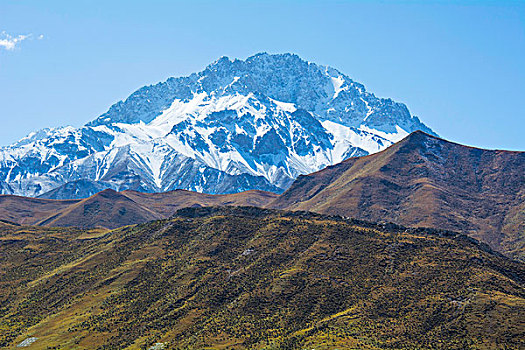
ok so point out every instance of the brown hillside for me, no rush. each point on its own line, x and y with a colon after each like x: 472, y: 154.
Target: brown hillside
x: 110, y: 209
x: 425, y: 181
x: 166, y: 203
x: 28, y: 211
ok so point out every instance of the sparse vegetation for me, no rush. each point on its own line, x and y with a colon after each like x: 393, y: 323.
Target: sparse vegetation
x: 308, y: 281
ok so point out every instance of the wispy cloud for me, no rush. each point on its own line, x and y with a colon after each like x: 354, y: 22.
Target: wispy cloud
x: 9, y: 42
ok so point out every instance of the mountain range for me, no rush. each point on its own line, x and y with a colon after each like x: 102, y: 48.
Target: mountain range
x: 421, y: 181
x: 237, y: 125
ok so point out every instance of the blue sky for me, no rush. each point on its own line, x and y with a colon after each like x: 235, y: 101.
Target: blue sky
x: 458, y: 65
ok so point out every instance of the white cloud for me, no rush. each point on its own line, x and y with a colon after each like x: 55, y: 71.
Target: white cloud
x: 9, y: 42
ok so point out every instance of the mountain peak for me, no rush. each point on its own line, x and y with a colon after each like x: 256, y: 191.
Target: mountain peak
x: 237, y: 125
x: 419, y: 135
x: 221, y: 61
x: 108, y: 193
x: 265, y: 56
x: 284, y: 77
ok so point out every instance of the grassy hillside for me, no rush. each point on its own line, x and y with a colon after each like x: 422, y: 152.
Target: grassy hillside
x: 237, y: 278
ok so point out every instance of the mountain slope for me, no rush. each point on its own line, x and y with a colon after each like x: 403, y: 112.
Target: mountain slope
x: 29, y: 211
x: 110, y: 209
x: 235, y: 126
x: 250, y: 278
x: 425, y: 181
x: 167, y: 203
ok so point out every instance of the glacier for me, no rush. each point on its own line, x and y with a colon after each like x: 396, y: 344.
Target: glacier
x: 237, y: 125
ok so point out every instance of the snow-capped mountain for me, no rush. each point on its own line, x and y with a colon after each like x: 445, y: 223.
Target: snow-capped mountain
x: 237, y: 125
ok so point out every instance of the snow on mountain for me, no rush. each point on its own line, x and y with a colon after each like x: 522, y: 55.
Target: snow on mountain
x: 237, y: 125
